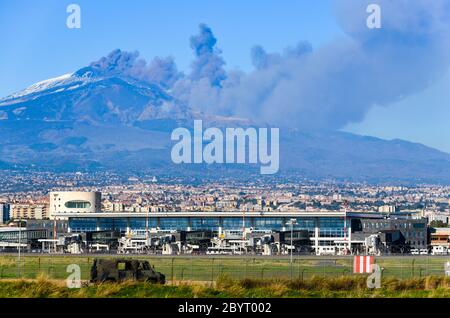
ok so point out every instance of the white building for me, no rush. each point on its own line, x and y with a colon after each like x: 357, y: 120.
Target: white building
x: 387, y: 209
x: 33, y: 211
x: 74, y: 202
x: 433, y: 216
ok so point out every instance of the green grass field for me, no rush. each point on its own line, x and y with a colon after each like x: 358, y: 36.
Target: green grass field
x: 209, y: 269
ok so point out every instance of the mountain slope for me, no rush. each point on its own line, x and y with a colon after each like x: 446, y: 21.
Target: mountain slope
x: 83, y: 97
x: 349, y: 156
x: 97, y: 120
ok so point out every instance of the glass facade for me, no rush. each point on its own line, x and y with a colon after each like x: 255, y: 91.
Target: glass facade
x: 235, y: 223
x: 77, y: 204
x: 268, y: 223
x: 173, y: 223
x: 83, y: 224
x: 24, y: 236
x: 140, y: 223
x: 332, y: 227
x: 113, y: 224
x: 13, y: 236
x: 211, y: 224
x: 308, y: 224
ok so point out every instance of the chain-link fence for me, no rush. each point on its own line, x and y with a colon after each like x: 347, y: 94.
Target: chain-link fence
x: 209, y: 269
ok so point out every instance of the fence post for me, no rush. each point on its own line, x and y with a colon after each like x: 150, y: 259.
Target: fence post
x: 401, y: 269
x: 172, y: 272
x: 323, y: 269
x: 212, y: 272
x: 246, y: 268
x: 290, y: 272
x: 18, y: 268
x: 192, y: 268
x: 88, y: 266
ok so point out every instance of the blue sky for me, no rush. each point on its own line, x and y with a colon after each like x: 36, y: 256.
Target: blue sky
x: 36, y: 30
x: 36, y: 45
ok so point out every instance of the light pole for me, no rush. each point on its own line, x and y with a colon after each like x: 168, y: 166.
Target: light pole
x: 291, y: 222
x: 146, y: 226
x: 345, y: 226
x: 20, y: 242
x: 243, y: 230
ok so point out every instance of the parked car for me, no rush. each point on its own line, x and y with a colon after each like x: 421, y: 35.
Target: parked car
x: 423, y: 251
x: 326, y: 250
x: 415, y: 251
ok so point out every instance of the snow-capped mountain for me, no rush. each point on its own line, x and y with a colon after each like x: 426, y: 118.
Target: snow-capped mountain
x: 40, y: 87
x: 96, y: 119
x: 87, y: 96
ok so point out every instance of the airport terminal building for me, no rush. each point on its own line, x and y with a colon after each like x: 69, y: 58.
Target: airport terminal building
x: 344, y: 230
x: 324, y: 228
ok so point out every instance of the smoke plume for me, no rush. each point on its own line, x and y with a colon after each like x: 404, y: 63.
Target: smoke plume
x: 116, y: 62
x: 338, y: 83
x: 208, y: 63
x: 324, y: 88
x: 161, y: 71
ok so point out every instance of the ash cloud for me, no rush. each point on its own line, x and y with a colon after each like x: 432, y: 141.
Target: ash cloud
x: 324, y: 88
x: 208, y: 63
x: 263, y: 60
x: 116, y: 62
x: 336, y: 84
x: 161, y: 70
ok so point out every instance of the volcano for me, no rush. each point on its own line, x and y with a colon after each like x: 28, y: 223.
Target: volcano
x: 91, y: 120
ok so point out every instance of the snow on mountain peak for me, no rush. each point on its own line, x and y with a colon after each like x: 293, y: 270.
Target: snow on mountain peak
x: 52, y: 85
x: 42, y: 86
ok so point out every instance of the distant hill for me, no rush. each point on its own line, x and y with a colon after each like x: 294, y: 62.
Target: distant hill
x: 90, y: 121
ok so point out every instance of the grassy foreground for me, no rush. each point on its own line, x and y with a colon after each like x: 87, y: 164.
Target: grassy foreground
x: 209, y: 269
x: 331, y: 287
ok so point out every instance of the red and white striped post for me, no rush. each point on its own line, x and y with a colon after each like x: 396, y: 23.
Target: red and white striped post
x: 363, y: 264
